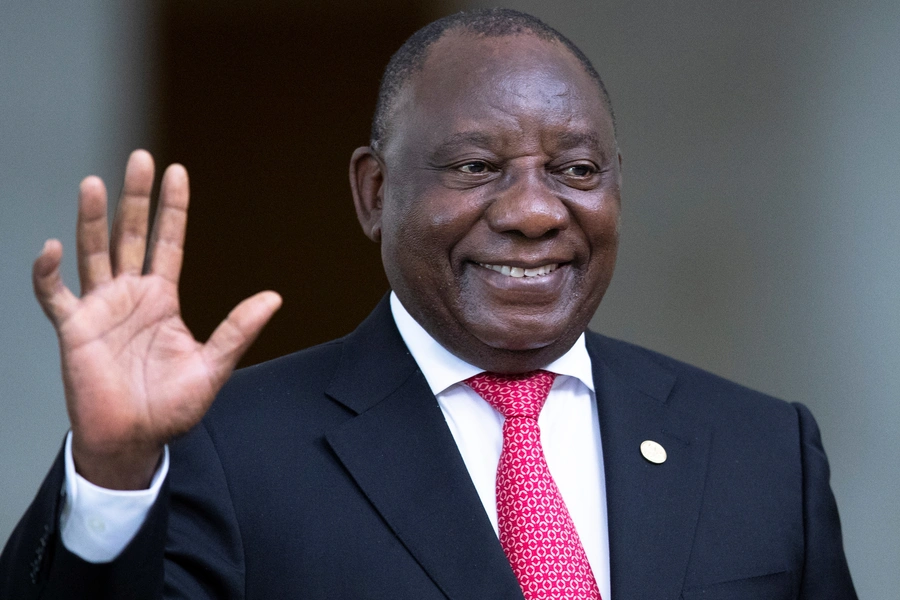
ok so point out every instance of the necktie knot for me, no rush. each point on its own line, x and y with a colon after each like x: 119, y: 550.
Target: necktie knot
x: 519, y: 395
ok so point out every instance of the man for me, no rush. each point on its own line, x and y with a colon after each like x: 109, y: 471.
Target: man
x: 365, y: 468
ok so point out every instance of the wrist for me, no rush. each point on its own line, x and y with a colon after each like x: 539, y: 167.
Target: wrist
x: 121, y: 468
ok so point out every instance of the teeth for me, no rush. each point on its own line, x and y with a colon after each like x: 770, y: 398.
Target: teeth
x: 519, y: 271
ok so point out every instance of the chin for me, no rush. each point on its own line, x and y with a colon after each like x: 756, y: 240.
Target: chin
x: 521, y: 337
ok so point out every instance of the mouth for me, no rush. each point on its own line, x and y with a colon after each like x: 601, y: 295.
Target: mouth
x: 519, y: 272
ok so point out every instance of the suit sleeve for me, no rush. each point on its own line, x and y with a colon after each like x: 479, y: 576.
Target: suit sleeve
x: 36, y: 564
x: 826, y: 575
x: 188, y: 547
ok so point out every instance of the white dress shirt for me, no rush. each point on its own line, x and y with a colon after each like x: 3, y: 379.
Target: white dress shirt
x: 96, y: 523
x: 570, y: 433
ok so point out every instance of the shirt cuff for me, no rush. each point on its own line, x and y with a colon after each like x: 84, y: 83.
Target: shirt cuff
x: 96, y: 524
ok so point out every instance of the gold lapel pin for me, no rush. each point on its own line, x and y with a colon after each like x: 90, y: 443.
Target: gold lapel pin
x: 653, y: 452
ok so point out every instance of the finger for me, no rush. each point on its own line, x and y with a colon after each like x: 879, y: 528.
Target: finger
x: 129, y: 231
x: 167, y: 242
x: 234, y: 335
x: 91, y: 235
x: 54, y: 297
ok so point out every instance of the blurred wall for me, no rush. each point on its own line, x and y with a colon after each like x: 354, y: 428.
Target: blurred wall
x: 762, y: 179
x: 75, y: 83
x: 761, y: 202
x: 264, y: 102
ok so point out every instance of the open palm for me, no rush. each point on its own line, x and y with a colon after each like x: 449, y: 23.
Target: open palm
x: 134, y: 375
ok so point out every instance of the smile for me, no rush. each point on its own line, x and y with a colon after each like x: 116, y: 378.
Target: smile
x: 521, y: 272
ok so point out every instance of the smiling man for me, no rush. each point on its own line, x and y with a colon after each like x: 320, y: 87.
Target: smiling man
x: 495, y: 195
x: 470, y: 439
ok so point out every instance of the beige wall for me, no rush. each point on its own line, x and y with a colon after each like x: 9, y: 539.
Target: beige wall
x: 761, y: 145
x: 74, y: 82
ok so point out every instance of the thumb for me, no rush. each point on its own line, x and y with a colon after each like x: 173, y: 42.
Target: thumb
x: 54, y: 297
x: 234, y: 335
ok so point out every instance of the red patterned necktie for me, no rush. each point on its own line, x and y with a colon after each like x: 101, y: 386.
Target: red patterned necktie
x: 536, y: 530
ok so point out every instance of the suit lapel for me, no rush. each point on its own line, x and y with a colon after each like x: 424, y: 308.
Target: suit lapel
x: 400, y: 452
x: 652, y: 508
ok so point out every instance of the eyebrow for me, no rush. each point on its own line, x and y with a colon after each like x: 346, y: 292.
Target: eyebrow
x: 575, y: 139
x: 458, y: 141
x: 467, y: 139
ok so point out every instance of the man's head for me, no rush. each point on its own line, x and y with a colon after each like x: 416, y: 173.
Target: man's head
x: 488, y: 22
x: 494, y: 191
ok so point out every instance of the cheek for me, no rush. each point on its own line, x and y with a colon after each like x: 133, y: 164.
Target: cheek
x: 427, y: 221
x: 604, y: 232
x: 601, y: 228
x: 416, y: 249
x: 598, y: 216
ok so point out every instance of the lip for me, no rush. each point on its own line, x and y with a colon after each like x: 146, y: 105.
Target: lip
x: 515, y: 271
x: 535, y: 288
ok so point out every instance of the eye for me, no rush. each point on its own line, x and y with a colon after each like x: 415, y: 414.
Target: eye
x: 580, y: 171
x: 475, y: 167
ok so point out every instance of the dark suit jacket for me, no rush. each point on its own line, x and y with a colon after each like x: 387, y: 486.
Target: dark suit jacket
x: 331, y: 473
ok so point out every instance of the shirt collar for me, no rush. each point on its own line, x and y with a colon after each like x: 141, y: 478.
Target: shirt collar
x: 443, y: 369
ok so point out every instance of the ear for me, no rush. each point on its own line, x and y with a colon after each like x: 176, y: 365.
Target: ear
x: 620, y: 168
x: 367, y: 185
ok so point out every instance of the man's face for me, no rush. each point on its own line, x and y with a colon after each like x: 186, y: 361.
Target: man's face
x: 500, y: 199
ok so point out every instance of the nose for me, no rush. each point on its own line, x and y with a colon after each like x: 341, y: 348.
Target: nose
x: 528, y: 206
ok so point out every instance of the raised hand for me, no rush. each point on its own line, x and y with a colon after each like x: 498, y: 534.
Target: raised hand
x: 134, y: 375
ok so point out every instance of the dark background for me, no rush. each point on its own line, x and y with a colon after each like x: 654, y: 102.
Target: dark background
x: 264, y: 104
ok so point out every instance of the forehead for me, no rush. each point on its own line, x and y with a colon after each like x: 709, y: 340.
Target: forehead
x: 508, y: 84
